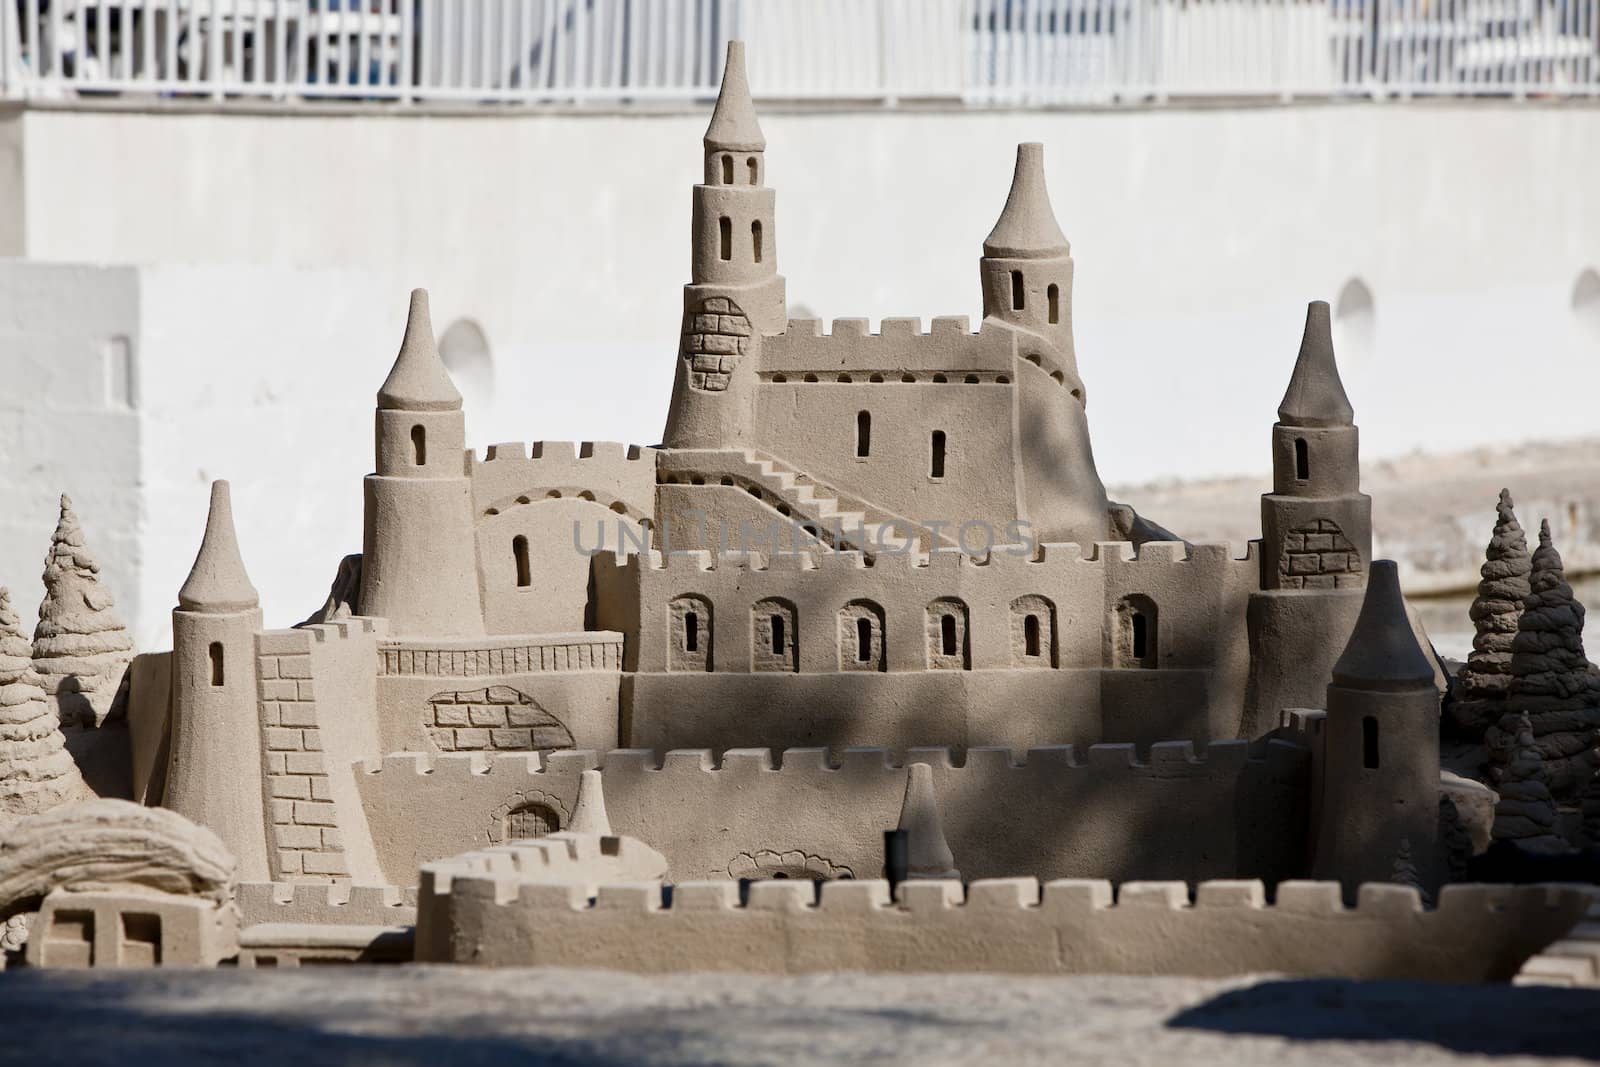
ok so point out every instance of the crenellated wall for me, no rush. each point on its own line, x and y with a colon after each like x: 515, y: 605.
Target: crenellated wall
x: 609, y: 471
x: 1058, y: 812
x: 1078, y: 689
x: 1003, y: 925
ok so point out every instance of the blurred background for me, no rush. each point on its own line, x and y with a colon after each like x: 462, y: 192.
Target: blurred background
x: 211, y: 212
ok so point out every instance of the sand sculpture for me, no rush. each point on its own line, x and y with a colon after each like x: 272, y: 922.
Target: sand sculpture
x: 661, y: 704
x: 1495, y: 613
x: 36, y: 773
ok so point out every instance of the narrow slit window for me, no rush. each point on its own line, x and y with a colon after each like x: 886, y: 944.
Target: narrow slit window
x: 217, y: 676
x: 419, y: 446
x: 936, y: 466
x: 1016, y: 290
x: 863, y: 434
x: 863, y: 640
x: 725, y: 225
x: 755, y: 170
x: 755, y: 239
x: 1030, y: 635
x: 1053, y: 295
x: 727, y: 170
x: 777, y: 635
x: 947, y: 635
x: 1139, y: 635
x: 691, y: 632
x: 519, y: 550
x: 1369, y: 743
x: 1302, y: 459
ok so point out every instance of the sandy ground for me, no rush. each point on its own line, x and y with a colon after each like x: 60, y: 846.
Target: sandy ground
x: 419, y: 1015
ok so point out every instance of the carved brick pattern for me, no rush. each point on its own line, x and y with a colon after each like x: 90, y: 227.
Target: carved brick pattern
x: 498, y: 717
x: 716, y: 334
x: 1319, y: 556
x: 303, y: 826
x: 598, y: 653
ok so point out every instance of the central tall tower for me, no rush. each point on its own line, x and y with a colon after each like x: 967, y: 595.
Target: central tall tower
x: 735, y: 293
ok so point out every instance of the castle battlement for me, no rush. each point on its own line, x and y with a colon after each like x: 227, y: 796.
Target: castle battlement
x: 849, y: 347
x: 606, y: 472
x: 898, y: 328
x: 326, y: 903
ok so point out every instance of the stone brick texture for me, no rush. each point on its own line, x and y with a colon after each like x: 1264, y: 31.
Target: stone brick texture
x: 716, y: 334
x: 1319, y: 556
x: 494, y: 718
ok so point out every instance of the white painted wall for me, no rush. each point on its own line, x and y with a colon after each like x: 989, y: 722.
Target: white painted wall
x: 1199, y: 236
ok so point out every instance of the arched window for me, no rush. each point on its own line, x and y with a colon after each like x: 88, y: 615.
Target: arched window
x: 725, y: 228
x: 215, y: 652
x: 419, y: 446
x: 936, y: 460
x: 863, y: 434
x: 1135, y: 633
x: 531, y: 820
x: 861, y: 637
x: 727, y: 170
x: 1016, y: 290
x: 947, y: 635
x: 689, y: 636
x: 519, y: 551
x: 1302, y: 460
x: 755, y: 239
x: 1369, y: 743
x: 1033, y: 632
x: 755, y: 170
x: 1053, y: 295
x: 773, y: 636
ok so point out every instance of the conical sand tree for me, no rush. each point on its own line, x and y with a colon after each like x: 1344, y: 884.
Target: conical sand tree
x: 81, y: 650
x: 1502, y: 588
x: 1551, y: 681
x: 1526, y: 813
x: 36, y: 771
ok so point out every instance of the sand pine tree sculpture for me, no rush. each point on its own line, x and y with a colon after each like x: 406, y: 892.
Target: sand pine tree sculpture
x: 81, y: 650
x: 36, y: 771
x: 1552, y: 682
x: 1502, y: 588
x: 1526, y: 813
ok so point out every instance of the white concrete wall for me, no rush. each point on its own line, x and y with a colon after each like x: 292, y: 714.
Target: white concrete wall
x: 1199, y: 235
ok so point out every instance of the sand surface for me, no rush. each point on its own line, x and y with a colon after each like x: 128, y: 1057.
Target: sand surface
x: 435, y: 1016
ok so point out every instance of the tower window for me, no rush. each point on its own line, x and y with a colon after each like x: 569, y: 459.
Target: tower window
x: 1016, y: 290
x: 419, y: 446
x: 1302, y: 459
x: 755, y: 239
x: 1053, y: 295
x: 947, y: 635
x: 727, y: 170
x: 936, y: 467
x: 691, y: 632
x: 1140, y: 635
x: 1369, y: 743
x: 863, y: 434
x: 216, y: 663
x: 725, y: 225
x: 755, y: 170
x: 519, y: 549
x: 777, y: 635
x: 863, y: 640
x: 1030, y: 635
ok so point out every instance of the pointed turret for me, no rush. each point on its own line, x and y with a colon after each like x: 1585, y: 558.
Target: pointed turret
x: 927, y: 852
x: 418, y: 380
x: 1383, y: 653
x: 589, y: 811
x: 1027, y: 228
x: 1316, y: 396
x: 733, y: 124
x: 36, y: 772
x: 217, y: 582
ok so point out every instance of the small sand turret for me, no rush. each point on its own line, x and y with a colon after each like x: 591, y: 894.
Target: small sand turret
x: 927, y: 851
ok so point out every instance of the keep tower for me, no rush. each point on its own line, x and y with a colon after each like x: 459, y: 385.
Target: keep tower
x: 419, y: 566
x: 735, y: 293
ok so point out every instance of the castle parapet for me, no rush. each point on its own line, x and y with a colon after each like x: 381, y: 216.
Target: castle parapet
x: 515, y: 473
x: 499, y: 656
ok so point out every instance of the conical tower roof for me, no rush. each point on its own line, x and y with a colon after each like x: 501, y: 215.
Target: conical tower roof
x: 927, y: 852
x: 1383, y: 652
x: 733, y: 123
x: 218, y: 583
x: 1027, y: 228
x: 418, y: 380
x: 1315, y: 396
x: 589, y: 812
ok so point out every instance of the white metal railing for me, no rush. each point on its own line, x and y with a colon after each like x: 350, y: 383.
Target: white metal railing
x: 620, y: 52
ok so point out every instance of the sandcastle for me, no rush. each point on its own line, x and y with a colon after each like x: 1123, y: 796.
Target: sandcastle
x: 658, y: 705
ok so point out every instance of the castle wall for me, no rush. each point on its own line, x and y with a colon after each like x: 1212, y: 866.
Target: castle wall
x: 1194, y: 607
x: 1003, y: 925
x: 812, y: 424
x: 1060, y: 812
